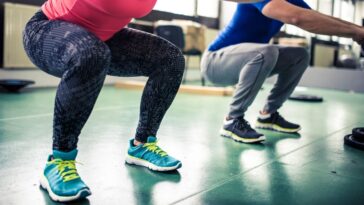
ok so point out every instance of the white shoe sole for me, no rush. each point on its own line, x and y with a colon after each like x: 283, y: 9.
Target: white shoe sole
x: 45, y: 185
x: 274, y: 127
x: 235, y: 137
x: 141, y: 162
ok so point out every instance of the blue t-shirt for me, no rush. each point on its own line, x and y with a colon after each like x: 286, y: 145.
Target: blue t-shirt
x: 250, y: 25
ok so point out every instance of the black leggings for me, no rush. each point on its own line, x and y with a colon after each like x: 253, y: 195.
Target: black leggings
x: 82, y: 61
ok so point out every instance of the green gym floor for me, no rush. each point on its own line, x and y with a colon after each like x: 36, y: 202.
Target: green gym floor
x: 311, y: 168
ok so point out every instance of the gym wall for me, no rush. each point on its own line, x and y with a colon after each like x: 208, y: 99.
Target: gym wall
x: 153, y: 16
x: 30, y: 2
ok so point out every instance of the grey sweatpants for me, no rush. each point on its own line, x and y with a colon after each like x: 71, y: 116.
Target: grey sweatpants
x: 248, y: 65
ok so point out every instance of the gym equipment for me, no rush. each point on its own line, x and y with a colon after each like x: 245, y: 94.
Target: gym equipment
x: 306, y: 98
x: 191, y: 89
x: 14, y: 85
x: 347, y: 61
x: 358, y: 134
x: 356, y: 138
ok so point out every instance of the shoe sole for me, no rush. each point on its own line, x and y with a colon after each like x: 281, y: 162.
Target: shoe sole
x: 141, y: 162
x: 231, y: 135
x: 274, y: 127
x: 80, y: 195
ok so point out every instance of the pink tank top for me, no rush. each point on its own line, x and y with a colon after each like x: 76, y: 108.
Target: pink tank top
x: 102, y: 17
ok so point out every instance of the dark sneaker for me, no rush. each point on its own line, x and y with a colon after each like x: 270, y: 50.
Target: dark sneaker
x: 278, y: 123
x: 240, y: 130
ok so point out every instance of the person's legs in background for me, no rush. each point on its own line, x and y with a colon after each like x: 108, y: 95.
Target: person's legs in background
x: 247, y: 65
x: 136, y: 53
x: 291, y: 64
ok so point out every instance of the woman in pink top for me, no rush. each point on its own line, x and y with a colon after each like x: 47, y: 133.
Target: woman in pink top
x: 82, y: 41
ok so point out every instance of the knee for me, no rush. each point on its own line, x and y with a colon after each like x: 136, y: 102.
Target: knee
x: 270, y: 56
x: 270, y: 53
x: 304, y: 57
x: 176, y: 61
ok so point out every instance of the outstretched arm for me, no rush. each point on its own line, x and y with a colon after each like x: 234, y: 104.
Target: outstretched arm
x: 312, y: 21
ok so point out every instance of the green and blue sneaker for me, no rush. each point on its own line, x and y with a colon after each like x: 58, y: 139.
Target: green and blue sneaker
x: 60, y: 178
x: 151, y: 156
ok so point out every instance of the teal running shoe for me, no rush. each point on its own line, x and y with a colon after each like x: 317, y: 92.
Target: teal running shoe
x: 151, y: 156
x: 60, y: 178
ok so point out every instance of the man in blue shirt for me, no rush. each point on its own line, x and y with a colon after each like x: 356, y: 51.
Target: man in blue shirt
x: 241, y: 55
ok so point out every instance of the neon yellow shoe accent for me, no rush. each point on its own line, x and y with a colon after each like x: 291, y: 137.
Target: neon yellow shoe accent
x: 153, y: 147
x: 275, y: 127
x: 229, y: 134
x: 66, y: 168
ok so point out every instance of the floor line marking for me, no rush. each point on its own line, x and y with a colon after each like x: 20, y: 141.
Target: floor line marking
x: 50, y: 114
x: 258, y: 166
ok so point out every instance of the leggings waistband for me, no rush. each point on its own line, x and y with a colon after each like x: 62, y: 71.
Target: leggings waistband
x: 38, y: 16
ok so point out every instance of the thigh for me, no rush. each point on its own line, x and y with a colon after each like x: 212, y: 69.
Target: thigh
x: 137, y: 53
x: 54, y: 45
x: 288, y: 57
x: 225, y: 65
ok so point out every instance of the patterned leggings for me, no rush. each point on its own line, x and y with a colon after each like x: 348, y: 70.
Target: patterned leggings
x: 82, y: 61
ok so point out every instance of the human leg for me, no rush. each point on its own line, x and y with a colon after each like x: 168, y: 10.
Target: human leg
x: 292, y: 63
x: 77, y: 57
x: 136, y: 53
x: 246, y: 65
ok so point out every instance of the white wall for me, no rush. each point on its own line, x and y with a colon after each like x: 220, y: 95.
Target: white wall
x: 227, y: 11
x: 359, y: 11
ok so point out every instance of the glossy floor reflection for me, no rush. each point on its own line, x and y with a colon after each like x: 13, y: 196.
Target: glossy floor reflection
x: 313, y: 167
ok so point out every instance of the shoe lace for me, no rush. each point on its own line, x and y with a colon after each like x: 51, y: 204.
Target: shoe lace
x: 243, y: 124
x: 67, y: 169
x: 153, y: 147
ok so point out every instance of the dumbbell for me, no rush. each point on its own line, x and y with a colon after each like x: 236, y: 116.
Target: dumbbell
x: 356, y: 138
x: 358, y: 134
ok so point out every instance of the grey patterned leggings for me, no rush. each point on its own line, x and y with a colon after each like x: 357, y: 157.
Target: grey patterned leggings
x: 82, y: 61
